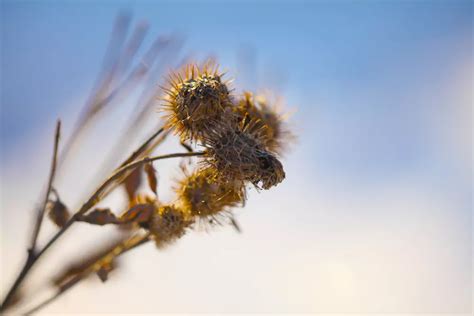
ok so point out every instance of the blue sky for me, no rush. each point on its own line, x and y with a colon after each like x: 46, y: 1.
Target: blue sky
x: 371, y: 57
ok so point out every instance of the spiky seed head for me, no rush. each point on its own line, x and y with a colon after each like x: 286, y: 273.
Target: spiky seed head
x: 272, y: 130
x: 195, y: 99
x: 237, y: 155
x: 204, y: 197
x: 168, y: 224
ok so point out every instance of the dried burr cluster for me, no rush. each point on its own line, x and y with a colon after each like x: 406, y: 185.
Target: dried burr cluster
x: 241, y: 137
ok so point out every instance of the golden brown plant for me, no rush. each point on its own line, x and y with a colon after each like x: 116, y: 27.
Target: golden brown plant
x: 168, y: 223
x: 205, y: 198
x: 195, y: 100
x: 240, y: 141
x: 269, y: 124
x: 237, y: 154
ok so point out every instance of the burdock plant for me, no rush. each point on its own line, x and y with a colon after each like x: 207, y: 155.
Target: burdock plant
x: 235, y: 142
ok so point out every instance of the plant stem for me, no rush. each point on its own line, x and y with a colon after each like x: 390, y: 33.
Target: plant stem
x: 41, y: 210
x: 142, y: 148
x: 33, y: 257
x: 37, y: 225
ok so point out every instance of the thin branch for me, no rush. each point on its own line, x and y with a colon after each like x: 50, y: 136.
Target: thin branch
x: 93, y: 200
x: 145, y: 150
x: 37, y: 226
x: 145, y: 101
x: 186, y: 146
x: 142, y: 148
x: 41, y: 210
x: 150, y: 143
x: 101, y: 86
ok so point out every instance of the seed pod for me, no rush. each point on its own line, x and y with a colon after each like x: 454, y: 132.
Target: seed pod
x: 203, y: 196
x: 237, y: 155
x: 168, y: 224
x: 269, y: 123
x: 196, y: 102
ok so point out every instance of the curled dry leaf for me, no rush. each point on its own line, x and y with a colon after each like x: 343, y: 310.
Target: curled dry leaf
x: 132, y: 183
x: 140, y: 213
x: 151, y: 175
x: 58, y: 213
x: 103, y: 271
x: 100, y: 217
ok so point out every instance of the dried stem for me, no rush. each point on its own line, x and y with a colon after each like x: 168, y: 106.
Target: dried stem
x: 93, y: 200
x: 125, y: 246
x: 37, y: 225
x: 142, y: 148
x: 101, y: 86
x: 186, y: 146
x: 112, y: 82
x: 150, y: 143
x: 41, y: 210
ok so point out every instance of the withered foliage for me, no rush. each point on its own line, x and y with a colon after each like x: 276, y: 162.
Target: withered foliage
x: 100, y: 216
x: 151, y: 177
x: 139, y: 214
x: 132, y: 183
x: 240, y: 139
x: 58, y: 212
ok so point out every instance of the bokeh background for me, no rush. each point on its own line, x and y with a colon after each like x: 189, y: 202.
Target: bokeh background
x: 375, y: 215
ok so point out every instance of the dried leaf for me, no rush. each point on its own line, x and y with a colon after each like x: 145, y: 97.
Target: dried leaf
x: 103, y: 272
x: 58, y: 213
x: 132, y: 183
x: 151, y: 175
x: 140, y: 213
x: 100, y: 217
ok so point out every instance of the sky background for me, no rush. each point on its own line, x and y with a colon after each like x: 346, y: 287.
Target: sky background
x: 375, y: 215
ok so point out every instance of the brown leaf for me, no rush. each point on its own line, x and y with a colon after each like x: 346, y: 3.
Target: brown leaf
x: 100, y: 217
x: 132, y: 183
x: 58, y: 213
x: 140, y: 213
x: 151, y: 175
x: 103, y: 272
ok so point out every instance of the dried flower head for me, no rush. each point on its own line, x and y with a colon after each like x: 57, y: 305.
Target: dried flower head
x: 168, y: 224
x: 237, y: 155
x: 195, y: 99
x: 267, y: 120
x: 202, y: 196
